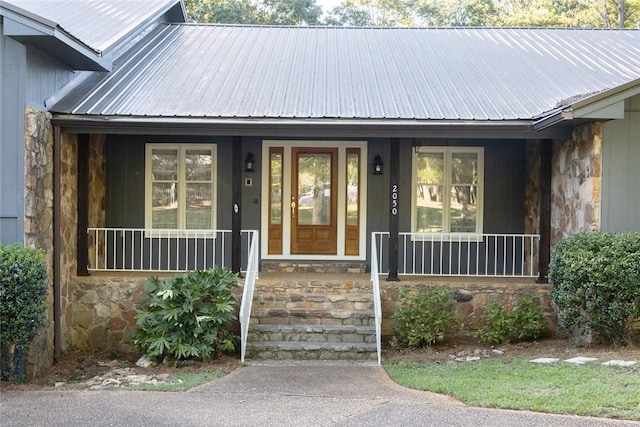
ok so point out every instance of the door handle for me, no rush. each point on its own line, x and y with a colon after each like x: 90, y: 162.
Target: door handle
x: 293, y: 209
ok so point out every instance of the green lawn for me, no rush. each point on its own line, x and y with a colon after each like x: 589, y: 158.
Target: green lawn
x: 561, y: 388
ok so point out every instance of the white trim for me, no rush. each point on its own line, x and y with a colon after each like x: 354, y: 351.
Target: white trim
x: 181, y: 231
x: 447, y: 152
x: 286, y: 197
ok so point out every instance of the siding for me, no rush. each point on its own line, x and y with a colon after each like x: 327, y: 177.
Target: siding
x: 45, y: 76
x: 12, y: 95
x: 621, y: 171
x: 126, y: 179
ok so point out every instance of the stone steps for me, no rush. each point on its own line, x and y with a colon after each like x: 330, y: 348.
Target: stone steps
x: 279, y: 350
x: 312, y: 319
x: 312, y: 333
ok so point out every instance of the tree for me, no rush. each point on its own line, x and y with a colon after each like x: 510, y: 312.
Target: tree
x: 268, y: 12
x: 507, y: 13
x: 379, y: 13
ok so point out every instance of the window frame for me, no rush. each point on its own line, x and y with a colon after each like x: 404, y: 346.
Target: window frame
x: 181, y: 230
x: 447, y: 152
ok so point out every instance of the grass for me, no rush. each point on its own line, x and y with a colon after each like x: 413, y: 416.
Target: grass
x: 188, y: 380
x: 562, y: 388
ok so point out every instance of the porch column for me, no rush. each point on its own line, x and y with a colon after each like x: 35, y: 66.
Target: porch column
x: 82, y: 239
x: 544, y: 251
x: 57, y: 239
x: 394, y: 208
x: 236, y: 219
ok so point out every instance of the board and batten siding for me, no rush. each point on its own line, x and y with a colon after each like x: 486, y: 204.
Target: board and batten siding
x: 45, y: 76
x: 12, y: 105
x: 621, y: 171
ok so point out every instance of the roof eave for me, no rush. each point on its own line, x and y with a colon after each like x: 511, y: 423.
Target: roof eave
x: 605, y: 105
x: 305, y: 127
x: 48, y: 37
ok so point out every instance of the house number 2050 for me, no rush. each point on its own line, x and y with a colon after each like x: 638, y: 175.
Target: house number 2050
x: 394, y: 199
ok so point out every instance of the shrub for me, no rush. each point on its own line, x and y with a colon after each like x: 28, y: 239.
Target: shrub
x: 23, y: 288
x: 527, y: 320
x: 498, y: 326
x: 594, y: 278
x: 423, y: 318
x: 188, y: 316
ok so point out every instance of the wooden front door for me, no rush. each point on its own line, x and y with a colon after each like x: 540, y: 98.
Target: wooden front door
x: 314, y: 178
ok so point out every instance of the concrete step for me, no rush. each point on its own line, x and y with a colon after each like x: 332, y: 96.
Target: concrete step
x: 311, y: 350
x: 312, y: 333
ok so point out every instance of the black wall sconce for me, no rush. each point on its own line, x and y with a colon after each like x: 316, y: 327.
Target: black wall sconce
x: 377, y: 165
x: 249, y: 163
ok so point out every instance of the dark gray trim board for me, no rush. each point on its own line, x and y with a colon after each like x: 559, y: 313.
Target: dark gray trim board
x: 309, y: 128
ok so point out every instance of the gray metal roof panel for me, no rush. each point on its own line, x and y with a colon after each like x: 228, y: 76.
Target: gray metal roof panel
x: 225, y: 71
x: 99, y: 24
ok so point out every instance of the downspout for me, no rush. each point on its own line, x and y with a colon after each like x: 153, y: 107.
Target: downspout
x: 57, y: 167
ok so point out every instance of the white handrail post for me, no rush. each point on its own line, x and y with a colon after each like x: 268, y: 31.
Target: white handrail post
x: 377, y: 305
x: 247, y: 293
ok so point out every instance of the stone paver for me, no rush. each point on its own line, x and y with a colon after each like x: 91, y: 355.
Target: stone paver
x: 580, y: 360
x: 545, y: 360
x: 619, y: 363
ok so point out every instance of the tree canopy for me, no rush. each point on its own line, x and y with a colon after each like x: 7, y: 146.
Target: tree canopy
x: 495, y: 13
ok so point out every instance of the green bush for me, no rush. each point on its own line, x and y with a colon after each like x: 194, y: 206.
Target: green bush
x: 527, y: 320
x: 424, y: 318
x: 524, y: 323
x: 498, y: 326
x: 595, y: 281
x: 23, y: 289
x: 188, y: 316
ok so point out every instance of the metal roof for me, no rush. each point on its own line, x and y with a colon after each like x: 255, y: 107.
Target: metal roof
x: 98, y: 24
x: 257, y: 72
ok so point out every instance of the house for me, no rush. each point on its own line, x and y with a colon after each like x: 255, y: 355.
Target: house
x: 313, y: 154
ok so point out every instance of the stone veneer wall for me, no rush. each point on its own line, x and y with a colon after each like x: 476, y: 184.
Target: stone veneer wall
x: 104, y: 310
x: 532, y: 197
x: 72, y: 303
x: 38, y: 220
x: 576, y: 182
x: 106, y: 304
x: 532, y: 188
x: 68, y: 233
x: 473, y: 297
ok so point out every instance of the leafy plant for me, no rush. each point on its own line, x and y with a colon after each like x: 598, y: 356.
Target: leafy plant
x: 23, y: 288
x: 188, y: 316
x: 594, y: 279
x: 498, y: 325
x: 424, y: 318
x: 527, y: 320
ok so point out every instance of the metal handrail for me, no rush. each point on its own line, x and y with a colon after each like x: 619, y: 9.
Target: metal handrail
x: 169, y: 250
x: 461, y: 254
x: 247, y: 294
x: 377, y: 303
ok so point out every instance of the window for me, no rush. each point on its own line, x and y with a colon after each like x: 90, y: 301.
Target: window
x: 447, y: 190
x: 180, y: 187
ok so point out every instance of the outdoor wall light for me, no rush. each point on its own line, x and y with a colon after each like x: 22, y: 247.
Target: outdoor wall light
x: 249, y: 163
x: 377, y: 165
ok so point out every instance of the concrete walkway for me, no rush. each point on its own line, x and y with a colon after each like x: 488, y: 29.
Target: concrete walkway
x: 295, y: 394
